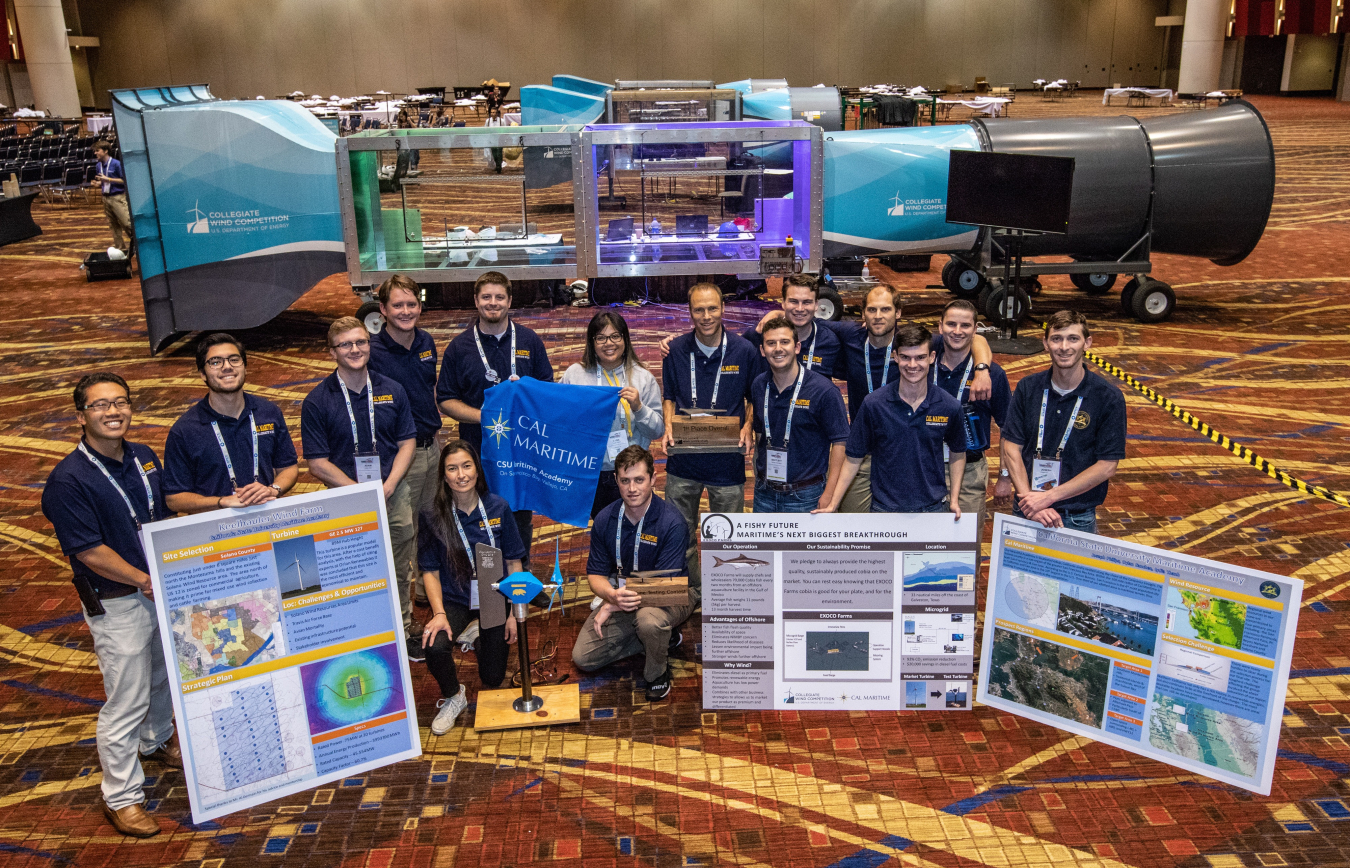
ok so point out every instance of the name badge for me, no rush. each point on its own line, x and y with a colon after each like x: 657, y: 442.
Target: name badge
x: 618, y: 441
x: 775, y: 463
x: 367, y: 468
x: 473, y: 596
x: 1044, y: 473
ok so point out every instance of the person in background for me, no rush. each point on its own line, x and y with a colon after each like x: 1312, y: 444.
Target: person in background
x: 113, y: 183
x: 97, y: 498
x: 463, y: 514
x: 609, y: 360
x: 407, y: 355
x: 820, y: 346
x: 230, y: 449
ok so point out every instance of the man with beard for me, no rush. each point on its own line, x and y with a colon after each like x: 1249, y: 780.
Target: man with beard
x: 231, y: 449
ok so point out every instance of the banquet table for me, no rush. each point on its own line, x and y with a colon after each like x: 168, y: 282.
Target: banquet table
x: 1162, y: 93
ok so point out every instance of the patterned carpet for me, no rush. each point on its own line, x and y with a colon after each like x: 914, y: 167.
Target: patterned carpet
x: 1259, y: 351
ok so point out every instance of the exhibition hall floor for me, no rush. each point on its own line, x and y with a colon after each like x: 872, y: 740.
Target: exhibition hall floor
x: 1260, y: 351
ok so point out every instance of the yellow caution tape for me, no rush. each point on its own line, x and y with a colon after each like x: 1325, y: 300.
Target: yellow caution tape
x: 1236, y: 449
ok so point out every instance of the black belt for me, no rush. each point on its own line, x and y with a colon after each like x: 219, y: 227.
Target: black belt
x: 790, y: 487
x: 424, y: 442
x: 114, y: 593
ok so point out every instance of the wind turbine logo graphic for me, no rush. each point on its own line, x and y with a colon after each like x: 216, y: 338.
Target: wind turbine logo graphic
x: 299, y: 573
x: 199, y: 225
x: 897, y: 208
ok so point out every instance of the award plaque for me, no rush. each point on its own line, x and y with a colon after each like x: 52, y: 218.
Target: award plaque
x: 658, y: 588
x: 707, y: 432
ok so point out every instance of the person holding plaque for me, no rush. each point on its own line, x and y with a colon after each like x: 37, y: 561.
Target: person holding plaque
x: 904, y: 428
x: 800, y: 426
x: 706, y: 375
x: 230, y: 449
x: 463, y: 514
x: 638, y: 533
x: 96, y: 498
x: 609, y: 360
x: 356, y: 426
x: 492, y: 350
x: 953, y: 372
x: 1065, y: 434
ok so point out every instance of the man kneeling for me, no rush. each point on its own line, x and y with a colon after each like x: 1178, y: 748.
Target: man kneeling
x: 640, y: 532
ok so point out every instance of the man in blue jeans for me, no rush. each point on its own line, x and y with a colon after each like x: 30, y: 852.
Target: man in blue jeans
x: 903, y: 426
x: 800, y: 427
x: 1065, y: 433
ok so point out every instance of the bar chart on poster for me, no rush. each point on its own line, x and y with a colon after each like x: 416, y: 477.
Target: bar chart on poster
x: 284, y: 643
x: 857, y: 612
x: 1177, y: 658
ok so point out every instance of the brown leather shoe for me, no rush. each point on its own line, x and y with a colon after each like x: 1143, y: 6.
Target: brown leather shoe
x: 132, y: 820
x: 168, y: 753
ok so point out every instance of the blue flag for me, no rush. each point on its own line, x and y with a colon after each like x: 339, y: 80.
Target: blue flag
x: 544, y: 443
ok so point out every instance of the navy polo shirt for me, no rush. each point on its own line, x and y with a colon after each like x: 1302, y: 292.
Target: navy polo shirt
x: 87, y: 512
x: 432, y: 554
x: 824, y: 358
x: 908, y: 472
x: 738, y: 369
x: 995, y: 406
x: 413, y: 368
x: 818, y: 422
x: 1099, y: 430
x: 192, y: 458
x: 464, y: 379
x: 665, y: 536
x: 326, y: 430
x: 851, y: 363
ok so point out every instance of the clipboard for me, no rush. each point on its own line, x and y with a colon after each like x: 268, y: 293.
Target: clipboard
x: 490, y: 568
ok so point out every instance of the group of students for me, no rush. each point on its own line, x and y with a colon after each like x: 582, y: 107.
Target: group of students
x: 912, y: 439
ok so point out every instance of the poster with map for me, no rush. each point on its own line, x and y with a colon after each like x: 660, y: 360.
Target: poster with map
x: 282, y: 629
x: 1177, y: 658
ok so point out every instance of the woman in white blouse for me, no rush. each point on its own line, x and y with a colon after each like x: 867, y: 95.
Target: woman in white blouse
x: 609, y: 360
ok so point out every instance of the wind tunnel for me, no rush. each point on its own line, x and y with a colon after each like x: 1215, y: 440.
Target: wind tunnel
x: 234, y: 206
x: 1194, y: 184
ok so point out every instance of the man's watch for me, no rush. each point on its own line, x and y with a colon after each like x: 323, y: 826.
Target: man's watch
x: 1003, y: 473
x: 276, y: 488
x: 982, y: 367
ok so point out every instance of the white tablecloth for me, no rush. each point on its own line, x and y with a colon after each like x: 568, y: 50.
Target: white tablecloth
x: 1162, y: 93
x: 989, y: 105
x: 95, y: 125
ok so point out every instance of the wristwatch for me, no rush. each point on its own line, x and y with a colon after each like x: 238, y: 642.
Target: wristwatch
x: 981, y: 367
x: 276, y: 488
x: 1003, y: 472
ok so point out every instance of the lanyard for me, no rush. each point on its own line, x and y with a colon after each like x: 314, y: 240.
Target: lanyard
x: 370, y: 405
x: 867, y: 363
x: 603, y: 378
x: 145, y: 480
x: 1068, y: 428
x: 637, y: 540
x: 253, y: 427
x: 464, y: 538
x: 961, y: 389
x: 792, y: 407
x: 717, y: 381
x: 811, y: 353
x: 488, y: 371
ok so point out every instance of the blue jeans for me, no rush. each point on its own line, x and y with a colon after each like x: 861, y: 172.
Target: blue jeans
x: 1084, y: 520
x: 801, y: 500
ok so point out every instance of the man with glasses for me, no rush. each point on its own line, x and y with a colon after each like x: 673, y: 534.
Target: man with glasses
x: 97, y: 498
x: 492, y: 350
x: 357, y: 426
x: 231, y: 449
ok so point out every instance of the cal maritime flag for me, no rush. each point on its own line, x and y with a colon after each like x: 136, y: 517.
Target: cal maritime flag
x: 543, y: 444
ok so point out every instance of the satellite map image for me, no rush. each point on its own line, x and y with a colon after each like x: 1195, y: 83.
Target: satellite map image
x: 223, y: 634
x: 926, y: 572
x: 847, y: 652
x: 1206, y: 618
x: 1053, y: 678
x: 1214, y: 738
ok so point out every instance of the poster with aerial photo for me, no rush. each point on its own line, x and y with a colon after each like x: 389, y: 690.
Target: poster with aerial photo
x: 1177, y: 658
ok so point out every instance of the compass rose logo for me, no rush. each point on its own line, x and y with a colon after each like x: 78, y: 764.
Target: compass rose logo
x: 499, y: 429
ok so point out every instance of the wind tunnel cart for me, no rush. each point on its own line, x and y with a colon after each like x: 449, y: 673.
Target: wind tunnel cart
x: 444, y: 206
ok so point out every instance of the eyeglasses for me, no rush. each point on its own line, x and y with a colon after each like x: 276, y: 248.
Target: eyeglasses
x: 609, y: 339
x: 233, y: 361
x: 104, y: 406
x: 347, y: 346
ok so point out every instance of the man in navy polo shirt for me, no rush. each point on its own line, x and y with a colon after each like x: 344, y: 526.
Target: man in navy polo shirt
x: 406, y: 354
x: 230, y: 449
x: 492, y: 350
x: 1061, y: 471
x: 707, y: 368
x: 96, y: 498
x: 801, y: 425
x: 953, y: 373
x: 820, y: 346
x: 111, y: 181
x: 356, y: 426
x: 636, y: 533
x: 903, y: 427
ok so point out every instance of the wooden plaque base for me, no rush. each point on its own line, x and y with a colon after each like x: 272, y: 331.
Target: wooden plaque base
x: 562, y: 704
x: 661, y: 591
x: 705, y: 434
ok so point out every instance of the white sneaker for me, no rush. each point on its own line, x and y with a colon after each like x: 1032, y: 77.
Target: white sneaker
x: 449, y: 711
x: 468, y: 636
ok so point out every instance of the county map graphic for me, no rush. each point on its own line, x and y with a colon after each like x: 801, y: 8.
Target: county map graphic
x: 225, y: 634
x: 1053, y: 678
x: 1194, y: 731
x: 1208, y: 619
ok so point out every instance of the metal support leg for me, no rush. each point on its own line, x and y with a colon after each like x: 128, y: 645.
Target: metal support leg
x: 527, y: 702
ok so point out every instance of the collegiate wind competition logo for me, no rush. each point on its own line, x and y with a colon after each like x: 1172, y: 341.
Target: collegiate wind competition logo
x: 897, y: 208
x: 499, y: 430
x: 199, y: 224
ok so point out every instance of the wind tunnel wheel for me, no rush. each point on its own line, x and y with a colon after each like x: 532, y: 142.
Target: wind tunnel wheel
x: 370, y: 316
x: 1094, y: 284
x: 1153, y: 301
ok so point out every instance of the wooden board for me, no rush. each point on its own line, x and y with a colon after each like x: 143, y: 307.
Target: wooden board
x: 661, y: 591
x: 562, y: 704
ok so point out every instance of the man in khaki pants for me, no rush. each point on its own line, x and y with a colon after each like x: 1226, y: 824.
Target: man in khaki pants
x: 113, y: 183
